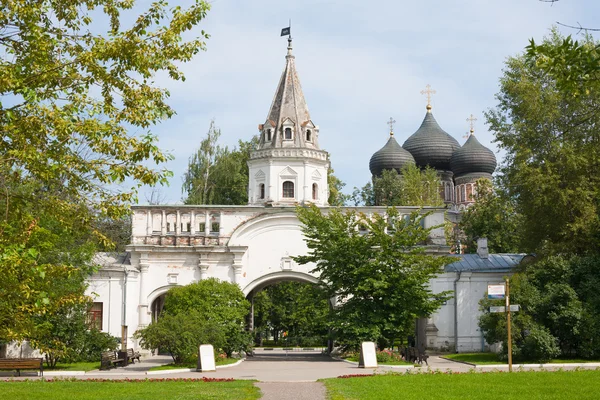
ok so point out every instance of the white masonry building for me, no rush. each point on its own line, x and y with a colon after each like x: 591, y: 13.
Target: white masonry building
x: 253, y: 245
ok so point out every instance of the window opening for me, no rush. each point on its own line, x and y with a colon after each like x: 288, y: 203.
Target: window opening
x: 288, y: 189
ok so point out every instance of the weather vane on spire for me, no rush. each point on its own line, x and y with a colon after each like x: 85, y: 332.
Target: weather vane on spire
x: 428, y: 91
x: 391, y: 123
x: 471, y: 120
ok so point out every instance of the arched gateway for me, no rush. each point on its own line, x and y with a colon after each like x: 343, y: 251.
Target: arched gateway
x: 248, y: 245
x: 253, y: 245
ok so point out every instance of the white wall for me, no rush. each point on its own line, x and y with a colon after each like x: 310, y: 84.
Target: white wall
x: 254, y: 246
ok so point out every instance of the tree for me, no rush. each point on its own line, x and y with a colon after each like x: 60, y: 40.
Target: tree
x: 552, y: 149
x: 74, y: 88
x: 492, y: 216
x: 300, y: 309
x: 379, y: 277
x: 558, y: 314
x: 336, y: 197
x: 572, y: 65
x: 217, y: 175
x: 411, y: 187
x: 66, y: 336
x: 222, y: 303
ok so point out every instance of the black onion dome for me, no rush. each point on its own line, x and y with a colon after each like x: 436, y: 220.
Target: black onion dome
x: 473, y: 157
x: 431, y: 145
x: 390, y: 156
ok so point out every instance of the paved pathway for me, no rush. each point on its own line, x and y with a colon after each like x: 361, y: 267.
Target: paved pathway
x: 292, y: 390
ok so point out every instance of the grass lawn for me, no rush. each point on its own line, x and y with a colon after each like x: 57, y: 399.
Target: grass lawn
x: 492, y: 358
x: 223, y: 361
x: 68, y: 390
x: 355, y: 359
x: 79, y: 366
x: 518, y: 385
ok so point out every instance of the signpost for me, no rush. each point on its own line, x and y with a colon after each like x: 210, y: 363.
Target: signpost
x: 508, y: 326
x: 499, y: 292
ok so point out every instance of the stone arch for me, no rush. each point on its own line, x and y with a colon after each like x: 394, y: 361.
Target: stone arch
x: 249, y: 229
x: 276, y: 277
x: 159, y: 291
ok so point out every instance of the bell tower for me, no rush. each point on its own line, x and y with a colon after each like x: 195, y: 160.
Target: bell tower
x: 288, y: 167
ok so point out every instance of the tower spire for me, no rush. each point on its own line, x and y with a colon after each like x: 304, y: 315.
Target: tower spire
x: 288, y: 122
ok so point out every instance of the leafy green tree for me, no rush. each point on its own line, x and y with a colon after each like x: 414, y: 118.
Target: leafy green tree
x: 411, y: 187
x: 216, y: 174
x: 336, y: 197
x: 380, y: 277
x: 78, y: 101
x: 549, y: 133
x: 300, y: 309
x: 558, y: 314
x: 493, y: 216
x: 573, y: 65
x: 222, y: 303
x: 66, y: 336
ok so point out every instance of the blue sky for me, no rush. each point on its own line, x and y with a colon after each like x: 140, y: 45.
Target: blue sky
x: 359, y: 63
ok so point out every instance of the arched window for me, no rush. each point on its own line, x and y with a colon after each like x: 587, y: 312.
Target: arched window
x: 288, y: 134
x: 308, y: 135
x: 470, y: 192
x: 288, y: 189
x: 315, y: 191
x: 261, y: 190
x: 268, y: 135
x: 463, y: 193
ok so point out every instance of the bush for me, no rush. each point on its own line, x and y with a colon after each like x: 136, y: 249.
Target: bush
x: 180, y: 335
x: 539, y: 345
x: 95, y: 343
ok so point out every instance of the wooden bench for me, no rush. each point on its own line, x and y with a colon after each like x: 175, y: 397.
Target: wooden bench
x: 109, y: 359
x: 22, y: 363
x: 132, y: 356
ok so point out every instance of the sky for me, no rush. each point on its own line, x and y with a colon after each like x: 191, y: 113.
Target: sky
x: 359, y: 64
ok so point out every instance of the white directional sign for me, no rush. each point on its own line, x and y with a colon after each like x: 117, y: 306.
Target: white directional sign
x: 500, y: 309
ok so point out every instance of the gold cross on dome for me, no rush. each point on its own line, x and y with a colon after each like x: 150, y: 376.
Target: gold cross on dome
x: 391, y: 123
x: 471, y: 120
x: 428, y: 91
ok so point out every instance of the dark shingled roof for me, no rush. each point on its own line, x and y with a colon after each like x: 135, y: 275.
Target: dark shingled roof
x: 431, y: 145
x: 390, y: 156
x: 494, y: 263
x: 473, y: 157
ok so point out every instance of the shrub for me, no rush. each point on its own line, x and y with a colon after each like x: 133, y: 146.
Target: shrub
x: 180, y: 335
x: 539, y: 345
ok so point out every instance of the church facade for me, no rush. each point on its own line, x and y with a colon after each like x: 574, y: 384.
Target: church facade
x: 253, y: 245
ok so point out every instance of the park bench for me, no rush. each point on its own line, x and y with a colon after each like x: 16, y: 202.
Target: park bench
x: 22, y: 363
x: 132, y: 356
x: 412, y: 354
x: 110, y: 359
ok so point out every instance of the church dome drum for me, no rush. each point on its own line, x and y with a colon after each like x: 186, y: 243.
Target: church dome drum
x: 473, y: 157
x: 431, y: 145
x: 391, y: 156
